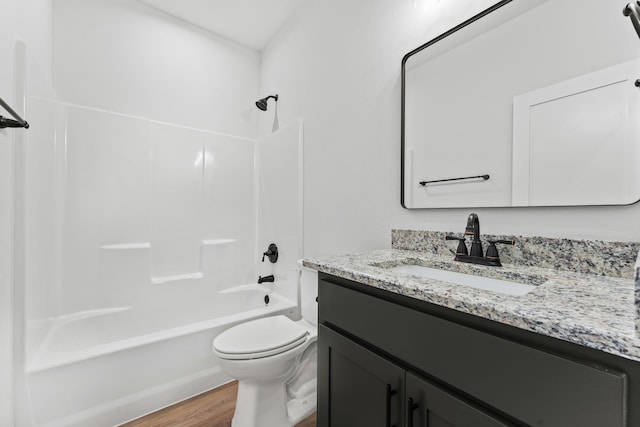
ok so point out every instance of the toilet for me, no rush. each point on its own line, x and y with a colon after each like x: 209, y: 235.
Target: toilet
x: 274, y: 360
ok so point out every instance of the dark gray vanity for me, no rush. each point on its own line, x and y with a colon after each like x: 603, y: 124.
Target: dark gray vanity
x: 401, y: 350
x: 457, y: 369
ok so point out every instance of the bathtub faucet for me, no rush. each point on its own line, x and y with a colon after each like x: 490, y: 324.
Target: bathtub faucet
x: 271, y: 253
x: 268, y: 278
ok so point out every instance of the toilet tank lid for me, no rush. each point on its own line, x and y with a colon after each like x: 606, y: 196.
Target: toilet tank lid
x: 259, y: 335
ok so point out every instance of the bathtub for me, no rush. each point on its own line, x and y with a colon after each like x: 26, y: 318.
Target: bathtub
x: 107, y: 366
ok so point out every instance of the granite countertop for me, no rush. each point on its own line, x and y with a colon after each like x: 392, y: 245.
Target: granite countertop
x: 595, y: 311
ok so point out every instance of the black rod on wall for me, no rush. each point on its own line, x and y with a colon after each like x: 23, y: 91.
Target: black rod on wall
x: 484, y: 177
x: 19, y: 122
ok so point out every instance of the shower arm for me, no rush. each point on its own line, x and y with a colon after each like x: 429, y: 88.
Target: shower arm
x: 632, y: 10
x: 19, y: 122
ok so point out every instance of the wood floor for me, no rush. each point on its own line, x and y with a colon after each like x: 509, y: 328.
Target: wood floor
x: 212, y: 409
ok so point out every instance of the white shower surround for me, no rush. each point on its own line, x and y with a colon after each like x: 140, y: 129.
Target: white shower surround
x: 142, y: 244
x: 141, y: 205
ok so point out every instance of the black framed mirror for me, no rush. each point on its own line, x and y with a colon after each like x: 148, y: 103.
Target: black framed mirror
x: 528, y: 103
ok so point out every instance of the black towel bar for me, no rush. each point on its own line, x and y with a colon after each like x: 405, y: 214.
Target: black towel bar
x: 484, y: 177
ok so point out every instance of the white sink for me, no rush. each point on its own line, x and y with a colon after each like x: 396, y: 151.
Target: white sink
x: 496, y: 285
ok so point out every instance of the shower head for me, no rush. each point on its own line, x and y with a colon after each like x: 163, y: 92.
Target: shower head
x: 262, y: 103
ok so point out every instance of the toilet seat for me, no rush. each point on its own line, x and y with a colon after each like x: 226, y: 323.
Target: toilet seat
x: 259, y: 338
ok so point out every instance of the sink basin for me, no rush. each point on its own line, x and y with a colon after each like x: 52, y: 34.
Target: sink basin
x: 489, y: 284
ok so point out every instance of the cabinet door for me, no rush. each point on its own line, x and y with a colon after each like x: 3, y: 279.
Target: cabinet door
x: 356, y: 387
x: 431, y: 406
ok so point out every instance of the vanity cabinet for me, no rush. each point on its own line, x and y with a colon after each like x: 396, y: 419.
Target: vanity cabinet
x: 365, y: 389
x: 389, y: 360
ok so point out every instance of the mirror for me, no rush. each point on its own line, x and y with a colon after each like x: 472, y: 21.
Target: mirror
x: 529, y: 103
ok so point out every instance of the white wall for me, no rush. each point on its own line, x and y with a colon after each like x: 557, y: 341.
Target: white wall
x: 124, y: 56
x: 338, y: 67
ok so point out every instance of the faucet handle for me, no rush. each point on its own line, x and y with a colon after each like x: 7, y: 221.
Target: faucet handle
x: 271, y: 253
x: 462, y: 247
x: 492, y: 250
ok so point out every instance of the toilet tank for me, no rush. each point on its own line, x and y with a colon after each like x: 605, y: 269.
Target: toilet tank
x: 308, y: 294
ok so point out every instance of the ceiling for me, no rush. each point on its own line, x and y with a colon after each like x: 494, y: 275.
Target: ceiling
x: 248, y: 22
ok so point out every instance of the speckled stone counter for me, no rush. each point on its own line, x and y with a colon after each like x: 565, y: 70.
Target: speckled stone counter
x: 596, y: 306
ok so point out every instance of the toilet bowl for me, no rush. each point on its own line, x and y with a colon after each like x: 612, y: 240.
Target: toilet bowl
x: 274, y: 361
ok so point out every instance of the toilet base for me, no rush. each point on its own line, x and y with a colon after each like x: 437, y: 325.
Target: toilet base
x: 262, y: 404
x: 299, y: 409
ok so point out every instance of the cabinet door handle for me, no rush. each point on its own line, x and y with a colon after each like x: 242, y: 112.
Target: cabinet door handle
x: 411, y: 406
x: 390, y: 393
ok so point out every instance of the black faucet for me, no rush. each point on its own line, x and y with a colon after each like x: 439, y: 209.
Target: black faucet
x: 268, y: 278
x: 476, y: 255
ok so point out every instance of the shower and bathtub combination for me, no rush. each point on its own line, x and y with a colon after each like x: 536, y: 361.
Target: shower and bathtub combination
x: 144, y: 201
x: 144, y: 243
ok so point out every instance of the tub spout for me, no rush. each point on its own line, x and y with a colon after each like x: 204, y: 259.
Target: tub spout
x: 268, y: 278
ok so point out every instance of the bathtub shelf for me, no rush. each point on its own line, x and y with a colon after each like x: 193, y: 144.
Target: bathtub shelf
x: 127, y: 246
x: 213, y: 242
x: 164, y: 279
